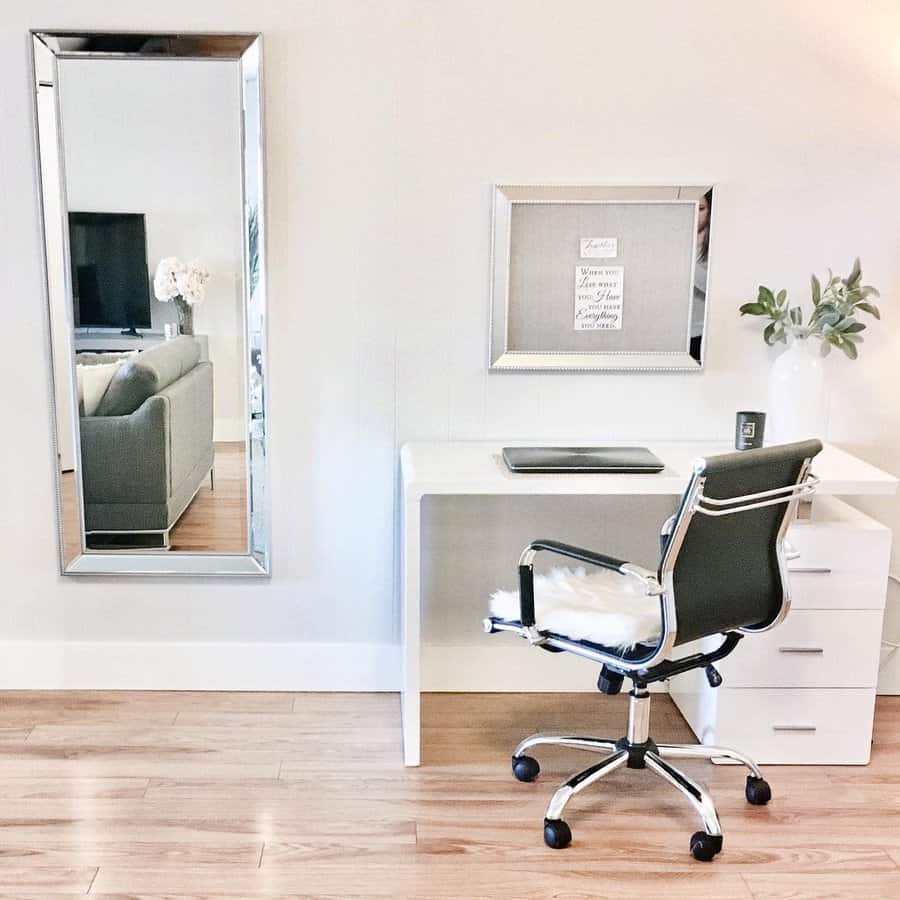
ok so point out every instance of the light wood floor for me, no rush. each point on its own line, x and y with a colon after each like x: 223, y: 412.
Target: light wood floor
x: 214, y: 522
x: 282, y: 795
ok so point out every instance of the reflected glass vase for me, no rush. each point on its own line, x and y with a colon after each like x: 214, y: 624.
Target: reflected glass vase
x: 185, y: 316
x: 798, y: 394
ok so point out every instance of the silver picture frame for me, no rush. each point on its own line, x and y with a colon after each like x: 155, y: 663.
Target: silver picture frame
x: 535, y: 250
x: 48, y: 47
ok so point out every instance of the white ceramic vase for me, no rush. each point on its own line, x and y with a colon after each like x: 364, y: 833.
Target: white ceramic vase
x: 798, y: 394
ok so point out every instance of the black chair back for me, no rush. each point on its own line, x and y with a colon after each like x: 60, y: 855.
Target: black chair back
x: 724, y: 559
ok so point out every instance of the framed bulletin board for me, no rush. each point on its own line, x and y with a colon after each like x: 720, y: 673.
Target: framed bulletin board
x: 599, y: 278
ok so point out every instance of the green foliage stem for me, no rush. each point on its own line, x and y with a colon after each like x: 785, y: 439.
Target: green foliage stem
x: 834, y: 319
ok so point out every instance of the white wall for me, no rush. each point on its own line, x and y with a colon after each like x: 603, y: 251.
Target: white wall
x: 138, y: 140
x: 386, y: 125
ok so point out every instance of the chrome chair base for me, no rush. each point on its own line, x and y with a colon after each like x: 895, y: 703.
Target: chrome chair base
x: 637, y: 751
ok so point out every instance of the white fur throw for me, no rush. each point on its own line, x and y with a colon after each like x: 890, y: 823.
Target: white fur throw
x: 603, y: 607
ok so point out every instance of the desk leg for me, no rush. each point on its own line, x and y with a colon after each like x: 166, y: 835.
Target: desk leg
x: 410, y: 633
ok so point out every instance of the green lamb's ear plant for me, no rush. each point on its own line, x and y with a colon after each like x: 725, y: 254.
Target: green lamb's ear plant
x: 834, y: 319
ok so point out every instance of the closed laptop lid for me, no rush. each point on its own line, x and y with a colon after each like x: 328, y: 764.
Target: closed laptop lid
x: 581, y: 459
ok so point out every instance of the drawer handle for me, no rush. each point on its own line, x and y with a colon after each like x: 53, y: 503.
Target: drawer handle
x: 814, y: 650
x: 810, y: 570
x: 809, y: 729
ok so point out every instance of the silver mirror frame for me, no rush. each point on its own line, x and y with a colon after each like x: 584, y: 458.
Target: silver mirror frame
x: 47, y: 47
x: 504, y: 359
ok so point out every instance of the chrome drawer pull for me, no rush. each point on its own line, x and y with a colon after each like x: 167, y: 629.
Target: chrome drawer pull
x: 801, y: 650
x: 810, y: 570
x: 805, y: 728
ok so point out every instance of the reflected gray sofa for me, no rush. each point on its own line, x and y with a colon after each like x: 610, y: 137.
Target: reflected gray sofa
x: 148, y: 448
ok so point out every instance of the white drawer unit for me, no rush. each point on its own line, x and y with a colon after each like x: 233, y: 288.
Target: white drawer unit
x: 843, y: 559
x: 804, y: 692
x: 789, y: 726
x: 811, y: 648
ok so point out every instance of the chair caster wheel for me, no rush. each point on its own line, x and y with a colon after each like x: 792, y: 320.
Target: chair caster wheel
x: 758, y: 791
x: 525, y: 768
x: 705, y: 846
x: 557, y: 834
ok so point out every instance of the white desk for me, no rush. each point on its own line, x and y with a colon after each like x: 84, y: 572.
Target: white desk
x: 476, y: 468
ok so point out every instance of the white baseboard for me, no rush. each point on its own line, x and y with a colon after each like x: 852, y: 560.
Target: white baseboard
x: 300, y: 666
x: 889, y: 671
x: 162, y: 666
x: 459, y: 667
x: 229, y: 430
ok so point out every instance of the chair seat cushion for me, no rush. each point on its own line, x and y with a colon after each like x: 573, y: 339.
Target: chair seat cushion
x: 600, y: 606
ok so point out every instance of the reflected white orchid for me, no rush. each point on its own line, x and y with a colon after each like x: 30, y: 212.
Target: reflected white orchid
x: 175, y: 280
x: 182, y: 284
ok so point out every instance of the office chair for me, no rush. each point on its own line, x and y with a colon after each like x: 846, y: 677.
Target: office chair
x: 722, y: 572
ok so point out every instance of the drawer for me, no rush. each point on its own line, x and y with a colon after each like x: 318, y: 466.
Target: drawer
x: 843, y: 561
x: 811, y: 648
x: 795, y: 726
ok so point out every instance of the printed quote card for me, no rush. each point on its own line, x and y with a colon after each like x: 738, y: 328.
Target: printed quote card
x: 598, y: 298
x: 599, y: 248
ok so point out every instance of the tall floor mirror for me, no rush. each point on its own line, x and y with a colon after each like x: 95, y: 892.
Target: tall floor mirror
x: 150, y: 150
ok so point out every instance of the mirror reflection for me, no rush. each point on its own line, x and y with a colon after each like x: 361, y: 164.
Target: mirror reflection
x: 156, y: 307
x: 701, y: 273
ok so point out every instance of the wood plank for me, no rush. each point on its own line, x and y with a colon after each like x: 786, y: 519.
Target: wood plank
x: 104, y: 762
x: 123, y: 852
x: 441, y: 880
x: 499, y: 845
x: 21, y: 880
x: 831, y: 886
x: 293, y: 740
x: 73, y: 788
x: 316, y: 703
x: 129, y: 706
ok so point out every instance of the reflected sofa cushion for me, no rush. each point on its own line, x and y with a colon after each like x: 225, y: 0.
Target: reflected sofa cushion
x: 90, y: 358
x: 147, y: 373
x: 93, y: 382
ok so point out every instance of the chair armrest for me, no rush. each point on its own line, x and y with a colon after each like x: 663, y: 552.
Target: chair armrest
x: 588, y: 556
x: 526, y: 574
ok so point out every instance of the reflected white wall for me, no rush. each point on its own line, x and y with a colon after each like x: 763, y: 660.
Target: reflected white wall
x: 162, y: 138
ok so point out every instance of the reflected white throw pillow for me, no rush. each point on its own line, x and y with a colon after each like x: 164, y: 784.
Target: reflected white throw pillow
x: 601, y: 606
x: 92, y: 384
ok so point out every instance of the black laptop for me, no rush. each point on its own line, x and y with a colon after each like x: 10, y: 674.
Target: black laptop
x: 636, y: 460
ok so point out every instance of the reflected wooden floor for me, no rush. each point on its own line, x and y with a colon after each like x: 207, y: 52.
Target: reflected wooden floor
x: 214, y: 522
x: 71, y: 524
x: 198, y: 795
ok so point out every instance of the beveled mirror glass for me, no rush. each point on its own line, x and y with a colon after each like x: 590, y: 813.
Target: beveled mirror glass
x: 150, y: 151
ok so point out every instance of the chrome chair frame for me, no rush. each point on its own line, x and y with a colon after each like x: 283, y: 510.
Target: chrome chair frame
x: 636, y: 749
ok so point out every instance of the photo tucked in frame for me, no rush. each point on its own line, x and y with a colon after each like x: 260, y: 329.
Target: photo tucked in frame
x: 589, y: 278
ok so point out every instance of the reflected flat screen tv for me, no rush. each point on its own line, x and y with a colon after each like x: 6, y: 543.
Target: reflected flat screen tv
x: 110, y: 278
